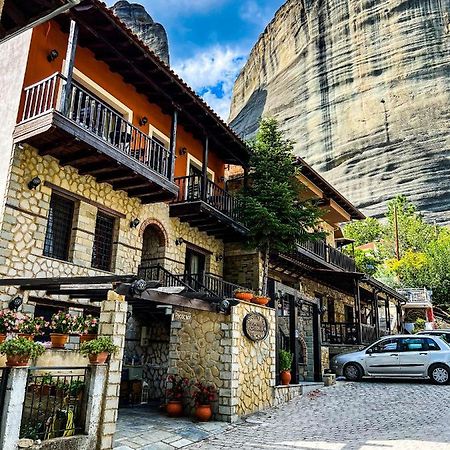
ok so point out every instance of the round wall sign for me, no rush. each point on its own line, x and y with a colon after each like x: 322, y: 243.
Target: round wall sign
x: 256, y: 326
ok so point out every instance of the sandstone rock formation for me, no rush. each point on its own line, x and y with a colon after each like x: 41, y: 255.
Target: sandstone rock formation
x: 136, y: 18
x: 363, y: 88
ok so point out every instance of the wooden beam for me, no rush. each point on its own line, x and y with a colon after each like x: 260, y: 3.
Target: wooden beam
x: 117, y: 174
x: 79, y: 155
x: 175, y: 300
x: 131, y: 184
x: 94, y: 168
x: 173, y: 142
x: 68, y: 66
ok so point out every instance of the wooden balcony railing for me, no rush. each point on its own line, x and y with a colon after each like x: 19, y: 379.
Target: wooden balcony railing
x: 329, y: 254
x: 191, y: 189
x: 94, y: 116
x: 340, y: 333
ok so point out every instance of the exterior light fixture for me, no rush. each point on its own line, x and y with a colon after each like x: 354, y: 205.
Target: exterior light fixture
x: 138, y: 287
x: 52, y: 55
x: 179, y: 241
x: 182, y: 151
x: 15, y: 303
x: 219, y: 258
x: 134, y: 223
x: 143, y: 121
x: 225, y: 305
x: 34, y: 183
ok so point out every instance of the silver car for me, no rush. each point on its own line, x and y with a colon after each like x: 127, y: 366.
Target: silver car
x: 410, y: 356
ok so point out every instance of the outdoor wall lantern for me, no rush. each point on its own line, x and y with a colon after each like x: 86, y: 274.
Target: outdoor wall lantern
x: 179, y: 241
x: 225, y: 305
x: 134, y: 223
x: 182, y: 151
x: 15, y: 303
x: 34, y: 183
x: 52, y: 55
x: 143, y: 121
x: 219, y: 258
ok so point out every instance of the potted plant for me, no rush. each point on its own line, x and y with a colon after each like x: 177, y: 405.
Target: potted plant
x: 29, y: 327
x: 87, y: 326
x: 243, y: 294
x: 176, y: 386
x: 7, y: 323
x: 19, y: 350
x: 260, y: 299
x: 98, y: 349
x: 285, y: 366
x: 203, y: 394
x: 62, y: 324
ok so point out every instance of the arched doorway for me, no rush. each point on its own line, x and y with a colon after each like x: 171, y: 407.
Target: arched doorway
x: 153, y: 247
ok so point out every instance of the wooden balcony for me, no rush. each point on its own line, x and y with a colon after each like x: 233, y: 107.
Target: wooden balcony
x: 210, y: 208
x: 81, y: 131
x: 346, y: 333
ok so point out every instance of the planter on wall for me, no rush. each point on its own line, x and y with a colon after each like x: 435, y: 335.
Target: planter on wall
x: 17, y: 360
x: 285, y: 377
x: 247, y: 296
x: 30, y: 337
x: 59, y: 340
x: 2, y: 338
x: 174, y: 408
x: 260, y: 300
x: 203, y: 412
x: 98, y: 358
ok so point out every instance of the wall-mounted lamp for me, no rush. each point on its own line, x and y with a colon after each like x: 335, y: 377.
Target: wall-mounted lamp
x: 219, y: 258
x: 15, y: 303
x: 222, y: 179
x: 52, y: 55
x: 143, y: 121
x: 182, y: 151
x: 225, y: 305
x: 179, y: 241
x: 34, y: 183
x: 134, y: 223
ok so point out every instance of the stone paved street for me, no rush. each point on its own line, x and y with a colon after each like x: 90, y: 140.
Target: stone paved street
x: 370, y: 415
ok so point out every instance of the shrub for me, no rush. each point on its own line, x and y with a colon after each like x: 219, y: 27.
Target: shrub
x: 31, y: 325
x: 22, y: 346
x: 176, y: 387
x: 203, y: 393
x: 7, y: 321
x: 285, y: 360
x: 99, y: 345
x: 242, y: 291
x: 86, y: 324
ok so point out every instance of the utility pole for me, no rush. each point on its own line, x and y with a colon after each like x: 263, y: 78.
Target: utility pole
x: 397, y: 244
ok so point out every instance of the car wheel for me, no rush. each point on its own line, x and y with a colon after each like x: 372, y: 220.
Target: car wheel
x: 439, y: 374
x: 352, y: 372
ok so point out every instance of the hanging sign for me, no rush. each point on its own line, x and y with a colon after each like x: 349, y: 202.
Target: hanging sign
x: 182, y: 316
x: 256, y: 327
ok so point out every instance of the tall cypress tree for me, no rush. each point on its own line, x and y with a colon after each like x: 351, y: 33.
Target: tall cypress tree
x: 272, y: 209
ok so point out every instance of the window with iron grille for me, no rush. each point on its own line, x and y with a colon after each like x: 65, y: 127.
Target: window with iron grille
x: 103, y: 242
x: 59, y: 227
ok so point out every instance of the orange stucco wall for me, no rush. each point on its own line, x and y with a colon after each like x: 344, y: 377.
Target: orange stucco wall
x: 49, y: 36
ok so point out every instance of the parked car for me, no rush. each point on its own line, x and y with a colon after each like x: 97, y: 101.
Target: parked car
x: 405, y: 356
x: 443, y: 333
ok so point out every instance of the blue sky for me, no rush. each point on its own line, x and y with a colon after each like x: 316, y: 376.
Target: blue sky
x: 209, y: 40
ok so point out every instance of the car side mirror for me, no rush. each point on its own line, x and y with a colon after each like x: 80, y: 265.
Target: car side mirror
x: 369, y: 351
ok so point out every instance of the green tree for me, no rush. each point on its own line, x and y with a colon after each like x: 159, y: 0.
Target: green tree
x: 364, y: 231
x: 271, y: 209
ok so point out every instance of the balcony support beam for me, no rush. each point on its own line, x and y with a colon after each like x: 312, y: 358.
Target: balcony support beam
x: 358, y: 311
x: 377, y: 312
x: 173, y: 142
x: 205, y: 169
x: 68, y: 66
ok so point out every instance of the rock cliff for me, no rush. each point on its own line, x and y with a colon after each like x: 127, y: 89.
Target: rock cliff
x: 136, y: 18
x: 362, y: 87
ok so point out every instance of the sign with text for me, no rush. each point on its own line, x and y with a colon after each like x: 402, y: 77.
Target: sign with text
x: 182, y: 316
x: 256, y: 327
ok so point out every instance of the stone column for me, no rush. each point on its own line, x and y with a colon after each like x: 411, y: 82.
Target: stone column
x: 113, y: 318
x: 12, y: 408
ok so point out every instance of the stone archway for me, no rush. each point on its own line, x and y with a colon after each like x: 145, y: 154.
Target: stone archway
x: 154, y: 243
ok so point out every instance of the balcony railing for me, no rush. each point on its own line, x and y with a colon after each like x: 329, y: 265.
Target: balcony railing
x: 191, y: 190
x: 206, y: 283
x: 94, y: 116
x: 329, y: 254
x: 347, y: 333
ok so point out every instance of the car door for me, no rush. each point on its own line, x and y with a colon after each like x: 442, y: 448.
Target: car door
x: 383, y: 358
x: 415, y: 355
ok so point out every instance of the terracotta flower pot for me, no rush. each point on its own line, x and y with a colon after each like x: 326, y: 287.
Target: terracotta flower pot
x: 87, y: 337
x: 59, y: 340
x: 174, y: 408
x: 285, y: 376
x: 260, y: 300
x: 2, y: 338
x: 98, y: 358
x: 247, y: 296
x: 30, y: 337
x: 17, y: 360
x: 203, y: 413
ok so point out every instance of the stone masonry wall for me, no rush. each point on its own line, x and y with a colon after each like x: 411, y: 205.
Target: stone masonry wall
x: 242, y: 266
x: 25, y: 221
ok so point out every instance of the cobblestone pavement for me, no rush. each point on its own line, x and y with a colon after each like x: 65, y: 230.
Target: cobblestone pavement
x: 370, y: 415
x: 142, y: 428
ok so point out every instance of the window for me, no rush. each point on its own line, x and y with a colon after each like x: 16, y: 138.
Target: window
x: 386, y: 345
x: 331, y: 311
x: 419, y: 344
x: 103, y: 242
x: 59, y: 228
x: 348, y: 314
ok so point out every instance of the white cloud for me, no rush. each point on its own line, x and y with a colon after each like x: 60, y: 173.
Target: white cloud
x: 251, y: 12
x: 212, y: 71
